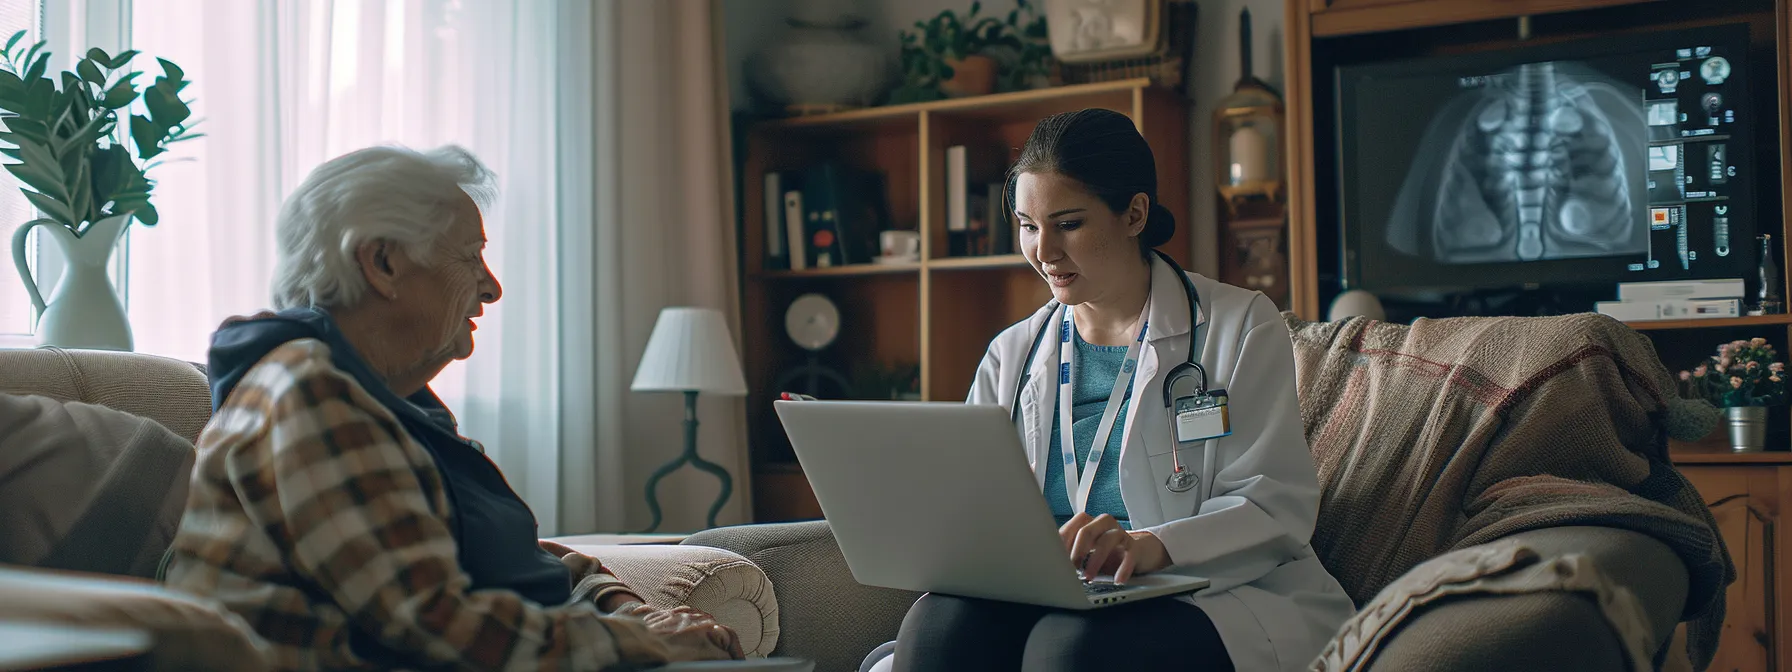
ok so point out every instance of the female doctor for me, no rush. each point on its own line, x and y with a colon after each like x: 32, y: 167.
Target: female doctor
x: 1233, y: 501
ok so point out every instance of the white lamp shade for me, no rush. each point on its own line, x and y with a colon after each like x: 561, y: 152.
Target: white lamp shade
x: 690, y: 350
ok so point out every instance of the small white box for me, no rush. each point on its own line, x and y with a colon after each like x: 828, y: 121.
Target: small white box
x: 1723, y: 288
x: 1639, y: 311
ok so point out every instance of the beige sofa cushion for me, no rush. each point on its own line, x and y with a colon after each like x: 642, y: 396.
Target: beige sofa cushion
x: 168, y: 391
x: 88, y: 488
x: 186, y: 632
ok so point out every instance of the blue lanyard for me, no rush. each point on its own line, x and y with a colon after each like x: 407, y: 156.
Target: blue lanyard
x: 1078, y: 489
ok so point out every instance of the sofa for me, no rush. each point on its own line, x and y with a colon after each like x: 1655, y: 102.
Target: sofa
x: 1468, y: 536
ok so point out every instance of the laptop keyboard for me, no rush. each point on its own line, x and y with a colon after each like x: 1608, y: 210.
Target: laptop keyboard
x: 1102, y: 587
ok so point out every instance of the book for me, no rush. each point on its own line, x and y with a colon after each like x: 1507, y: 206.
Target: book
x: 794, y: 224
x: 775, y: 235
x: 971, y: 197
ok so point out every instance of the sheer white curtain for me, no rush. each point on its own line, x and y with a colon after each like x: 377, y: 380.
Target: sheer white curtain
x: 606, y: 124
x: 665, y: 237
x: 284, y: 86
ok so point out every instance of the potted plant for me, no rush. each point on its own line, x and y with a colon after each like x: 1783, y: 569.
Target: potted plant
x: 945, y: 57
x: 84, y: 171
x: 1744, y: 378
x: 1026, y: 48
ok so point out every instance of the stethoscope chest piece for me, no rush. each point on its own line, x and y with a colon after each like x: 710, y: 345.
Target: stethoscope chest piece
x: 1181, y: 480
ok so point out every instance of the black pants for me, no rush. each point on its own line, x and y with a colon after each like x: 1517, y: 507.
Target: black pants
x: 942, y: 632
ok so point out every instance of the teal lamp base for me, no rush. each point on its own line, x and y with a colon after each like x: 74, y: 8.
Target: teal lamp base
x: 690, y: 456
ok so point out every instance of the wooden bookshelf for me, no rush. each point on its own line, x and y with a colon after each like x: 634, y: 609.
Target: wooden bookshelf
x: 938, y: 313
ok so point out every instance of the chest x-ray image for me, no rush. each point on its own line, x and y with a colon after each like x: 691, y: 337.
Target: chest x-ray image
x: 1543, y: 161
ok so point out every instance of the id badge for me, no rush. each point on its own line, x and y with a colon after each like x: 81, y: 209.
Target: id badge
x: 1202, y: 416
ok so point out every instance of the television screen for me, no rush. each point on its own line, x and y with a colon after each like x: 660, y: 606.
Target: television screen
x: 1591, y: 162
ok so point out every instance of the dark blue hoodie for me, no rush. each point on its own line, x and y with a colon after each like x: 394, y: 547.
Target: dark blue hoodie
x: 494, y: 530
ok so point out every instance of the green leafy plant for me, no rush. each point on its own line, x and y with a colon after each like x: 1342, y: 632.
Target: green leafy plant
x: 77, y: 168
x: 1743, y: 373
x: 1030, y: 50
x: 926, y: 54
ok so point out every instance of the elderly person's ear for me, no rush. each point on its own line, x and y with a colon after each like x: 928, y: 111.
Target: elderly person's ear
x: 380, y: 260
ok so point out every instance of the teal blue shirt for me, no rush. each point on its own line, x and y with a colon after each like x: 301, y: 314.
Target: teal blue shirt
x: 1096, y: 368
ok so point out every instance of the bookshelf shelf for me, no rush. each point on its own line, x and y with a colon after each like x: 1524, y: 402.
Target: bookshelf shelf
x: 934, y: 317
x: 850, y: 270
x: 990, y: 105
x: 991, y: 261
x: 1712, y: 323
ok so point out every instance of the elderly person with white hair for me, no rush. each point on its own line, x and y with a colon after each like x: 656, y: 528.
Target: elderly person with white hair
x: 334, y: 505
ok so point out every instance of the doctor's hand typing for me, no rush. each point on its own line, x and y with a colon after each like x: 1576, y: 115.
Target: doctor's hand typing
x: 1098, y: 545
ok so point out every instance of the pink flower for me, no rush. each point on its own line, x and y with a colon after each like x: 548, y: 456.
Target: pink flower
x: 1757, y: 341
x: 1752, y: 365
x: 1700, y: 371
x: 1774, y: 377
x: 1686, y: 375
x: 1776, y: 367
x: 1720, y: 368
x: 1735, y: 382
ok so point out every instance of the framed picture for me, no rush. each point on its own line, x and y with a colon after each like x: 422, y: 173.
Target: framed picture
x: 1084, y: 31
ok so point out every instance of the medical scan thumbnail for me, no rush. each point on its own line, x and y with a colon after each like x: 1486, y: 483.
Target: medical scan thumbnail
x: 1542, y: 161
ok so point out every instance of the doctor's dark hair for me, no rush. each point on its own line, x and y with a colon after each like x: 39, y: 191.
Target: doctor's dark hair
x: 1102, y: 150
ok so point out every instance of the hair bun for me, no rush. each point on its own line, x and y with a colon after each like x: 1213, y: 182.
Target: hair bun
x: 1159, y: 226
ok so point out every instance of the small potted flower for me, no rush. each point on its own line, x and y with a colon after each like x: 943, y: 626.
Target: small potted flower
x: 1744, y: 378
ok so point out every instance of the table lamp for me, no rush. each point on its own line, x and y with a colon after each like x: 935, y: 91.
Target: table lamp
x: 690, y: 351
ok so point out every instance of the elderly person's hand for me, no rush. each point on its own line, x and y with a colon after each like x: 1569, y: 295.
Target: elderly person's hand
x: 692, y: 634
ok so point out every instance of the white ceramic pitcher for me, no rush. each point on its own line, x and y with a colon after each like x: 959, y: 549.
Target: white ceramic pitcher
x: 84, y: 311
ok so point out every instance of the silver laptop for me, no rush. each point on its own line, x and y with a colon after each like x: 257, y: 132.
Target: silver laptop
x: 938, y: 497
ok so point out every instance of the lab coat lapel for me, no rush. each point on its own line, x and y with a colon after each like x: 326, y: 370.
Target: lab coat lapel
x: 1039, y: 401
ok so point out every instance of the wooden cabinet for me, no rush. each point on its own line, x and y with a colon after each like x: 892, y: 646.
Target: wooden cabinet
x: 1746, y: 500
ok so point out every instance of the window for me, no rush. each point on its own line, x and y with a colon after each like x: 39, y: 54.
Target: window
x: 16, y: 312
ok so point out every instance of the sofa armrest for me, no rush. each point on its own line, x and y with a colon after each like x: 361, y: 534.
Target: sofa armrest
x: 718, y: 582
x: 1546, y: 631
x: 826, y: 616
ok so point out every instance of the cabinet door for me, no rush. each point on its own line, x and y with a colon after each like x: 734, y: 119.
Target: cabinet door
x: 1745, y: 502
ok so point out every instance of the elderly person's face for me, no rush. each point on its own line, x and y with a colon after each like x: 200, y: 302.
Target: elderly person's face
x: 429, y: 308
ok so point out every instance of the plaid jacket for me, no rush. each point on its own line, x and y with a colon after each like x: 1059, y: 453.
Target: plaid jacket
x: 319, y: 520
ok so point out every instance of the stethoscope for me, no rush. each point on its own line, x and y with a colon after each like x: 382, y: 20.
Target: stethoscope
x: 1187, y: 379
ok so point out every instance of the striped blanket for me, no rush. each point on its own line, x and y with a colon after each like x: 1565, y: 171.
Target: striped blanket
x: 1447, y: 434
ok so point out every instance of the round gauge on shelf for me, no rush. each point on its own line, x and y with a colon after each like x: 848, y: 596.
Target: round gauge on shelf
x: 812, y: 321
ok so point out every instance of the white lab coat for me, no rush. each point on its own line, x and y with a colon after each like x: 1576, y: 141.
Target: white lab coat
x: 1272, y: 602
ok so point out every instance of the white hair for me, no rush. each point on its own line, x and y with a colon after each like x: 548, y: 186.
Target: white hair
x: 379, y: 193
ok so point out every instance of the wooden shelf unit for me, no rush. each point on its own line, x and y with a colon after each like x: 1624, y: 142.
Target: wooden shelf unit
x: 1745, y: 491
x: 938, y: 313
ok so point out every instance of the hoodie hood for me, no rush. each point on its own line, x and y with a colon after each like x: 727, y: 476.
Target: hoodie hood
x: 238, y: 347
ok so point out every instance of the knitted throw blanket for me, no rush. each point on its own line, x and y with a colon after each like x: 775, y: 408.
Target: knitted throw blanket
x: 1447, y: 434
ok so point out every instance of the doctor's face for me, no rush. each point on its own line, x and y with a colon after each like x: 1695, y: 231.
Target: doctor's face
x: 1080, y: 246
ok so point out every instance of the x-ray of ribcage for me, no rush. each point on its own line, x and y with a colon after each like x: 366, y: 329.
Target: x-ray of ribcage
x: 1544, y: 162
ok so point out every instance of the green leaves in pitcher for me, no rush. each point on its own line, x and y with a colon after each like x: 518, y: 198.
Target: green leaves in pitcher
x: 77, y: 166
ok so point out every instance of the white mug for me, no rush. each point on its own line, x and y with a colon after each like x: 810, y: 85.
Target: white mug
x: 901, y: 244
